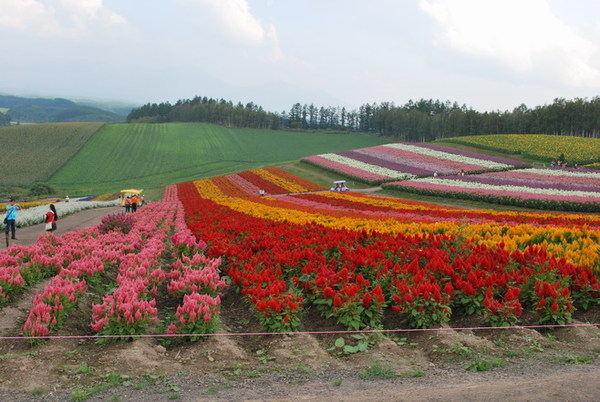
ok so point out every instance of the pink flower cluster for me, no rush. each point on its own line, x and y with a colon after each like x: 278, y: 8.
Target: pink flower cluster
x: 198, y: 273
x: 131, y: 308
x: 196, y: 277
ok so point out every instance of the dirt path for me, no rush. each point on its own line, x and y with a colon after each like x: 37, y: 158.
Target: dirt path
x: 69, y: 223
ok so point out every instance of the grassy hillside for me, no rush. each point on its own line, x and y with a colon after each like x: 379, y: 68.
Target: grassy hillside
x: 32, y: 153
x: 152, y: 155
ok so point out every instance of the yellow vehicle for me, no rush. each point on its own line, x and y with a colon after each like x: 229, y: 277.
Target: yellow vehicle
x: 123, y: 194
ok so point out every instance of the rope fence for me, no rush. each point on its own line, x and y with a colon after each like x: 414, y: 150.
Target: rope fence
x: 291, y: 333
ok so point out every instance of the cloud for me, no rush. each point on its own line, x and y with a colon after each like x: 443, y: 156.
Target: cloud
x: 527, y: 37
x: 237, y: 20
x: 61, y: 18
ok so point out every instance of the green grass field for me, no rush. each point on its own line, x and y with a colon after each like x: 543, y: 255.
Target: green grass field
x: 154, y: 155
x: 33, y: 152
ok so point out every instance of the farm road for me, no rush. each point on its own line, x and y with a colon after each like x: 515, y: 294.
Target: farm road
x: 69, y: 223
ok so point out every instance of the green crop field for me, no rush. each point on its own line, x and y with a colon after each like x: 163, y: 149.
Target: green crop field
x: 33, y: 152
x: 153, y: 155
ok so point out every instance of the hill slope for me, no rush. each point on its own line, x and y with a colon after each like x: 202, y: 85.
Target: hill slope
x: 34, y: 152
x: 153, y: 155
x: 41, y: 110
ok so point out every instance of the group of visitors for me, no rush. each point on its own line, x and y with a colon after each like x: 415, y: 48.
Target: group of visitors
x: 132, y: 202
x: 340, y: 187
x: 10, y: 219
x: 558, y: 164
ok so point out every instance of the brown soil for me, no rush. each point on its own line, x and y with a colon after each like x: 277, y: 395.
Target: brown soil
x: 516, y: 364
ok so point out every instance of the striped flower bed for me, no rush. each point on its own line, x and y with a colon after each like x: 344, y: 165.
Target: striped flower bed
x: 405, y: 161
x: 572, y: 190
x: 271, y: 179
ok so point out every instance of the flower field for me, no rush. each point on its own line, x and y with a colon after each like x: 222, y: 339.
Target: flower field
x: 403, y: 161
x: 127, y: 253
x: 355, y: 257
x: 270, y: 179
x: 559, y: 189
x: 542, y: 147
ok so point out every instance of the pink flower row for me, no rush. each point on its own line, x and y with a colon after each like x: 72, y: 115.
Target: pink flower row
x: 503, y: 193
x: 346, y: 170
x: 196, y: 277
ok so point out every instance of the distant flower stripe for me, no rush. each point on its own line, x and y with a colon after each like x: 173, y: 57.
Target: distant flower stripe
x: 269, y: 187
x: 247, y: 187
x: 307, y: 184
x: 349, y: 171
x: 369, y: 167
x: 502, y: 161
x: 529, y: 183
x: 427, y: 162
x: 287, y: 185
x: 502, y: 191
x: 371, y: 159
x: 453, y: 156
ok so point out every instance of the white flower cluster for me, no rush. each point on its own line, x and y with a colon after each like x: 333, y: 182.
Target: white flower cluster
x: 523, y: 189
x: 562, y: 172
x: 449, y: 156
x: 367, y: 167
x: 35, y: 215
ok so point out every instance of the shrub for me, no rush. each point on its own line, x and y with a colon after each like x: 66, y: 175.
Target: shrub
x: 38, y: 189
x: 119, y: 221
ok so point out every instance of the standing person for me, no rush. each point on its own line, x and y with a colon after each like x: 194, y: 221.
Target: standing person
x: 51, y: 218
x: 134, y: 203
x: 10, y: 219
x: 128, y: 204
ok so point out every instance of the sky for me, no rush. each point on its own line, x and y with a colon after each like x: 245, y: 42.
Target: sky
x: 486, y: 54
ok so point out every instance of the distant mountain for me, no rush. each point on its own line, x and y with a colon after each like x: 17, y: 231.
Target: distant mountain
x: 45, y: 110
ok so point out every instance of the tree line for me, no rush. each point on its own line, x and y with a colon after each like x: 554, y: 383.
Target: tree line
x: 4, y: 119
x: 418, y: 121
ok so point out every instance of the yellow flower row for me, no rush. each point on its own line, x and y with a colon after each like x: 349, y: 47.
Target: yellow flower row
x: 280, y: 181
x: 395, y: 203
x: 575, y: 149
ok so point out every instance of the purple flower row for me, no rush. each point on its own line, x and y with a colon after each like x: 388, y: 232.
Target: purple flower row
x: 507, y: 181
x: 361, y: 156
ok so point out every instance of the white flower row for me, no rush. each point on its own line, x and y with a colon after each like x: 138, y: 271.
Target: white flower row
x: 35, y: 215
x: 562, y: 172
x: 523, y: 189
x: 367, y: 166
x: 449, y: 156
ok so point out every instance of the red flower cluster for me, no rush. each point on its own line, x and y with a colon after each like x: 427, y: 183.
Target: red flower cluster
x: 354, y: 275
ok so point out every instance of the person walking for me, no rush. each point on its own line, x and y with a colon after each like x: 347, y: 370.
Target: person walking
x: 51, y: 218
x: 10, y: 219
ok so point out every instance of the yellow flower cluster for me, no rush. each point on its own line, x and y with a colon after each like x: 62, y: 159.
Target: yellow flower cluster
x: 280, y: 181
x: 539, y: 146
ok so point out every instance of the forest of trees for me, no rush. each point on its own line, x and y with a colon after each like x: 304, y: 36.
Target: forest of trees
x: 417, y: 121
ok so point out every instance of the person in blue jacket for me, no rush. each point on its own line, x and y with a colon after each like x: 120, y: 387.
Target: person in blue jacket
x: 10, y: 219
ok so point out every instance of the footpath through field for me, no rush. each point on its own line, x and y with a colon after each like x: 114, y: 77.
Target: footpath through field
x: 82, y: 219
